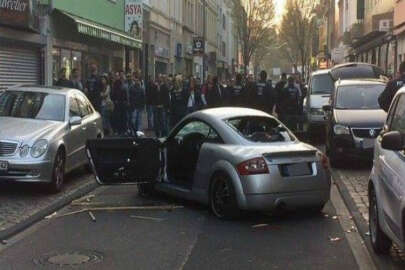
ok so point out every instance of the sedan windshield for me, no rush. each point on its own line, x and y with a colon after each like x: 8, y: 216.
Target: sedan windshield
x: 321, y: 84
x: 359, y: 97
x: 32, y: 105
x: 260, y: 129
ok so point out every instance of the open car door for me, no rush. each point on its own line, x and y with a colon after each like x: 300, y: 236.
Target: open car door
x: 125, y: 160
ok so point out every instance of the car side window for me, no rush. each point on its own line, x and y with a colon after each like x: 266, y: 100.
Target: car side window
x: 391, y: 114
x: 193, y: 127
x: 73, y: 107
x: 398, y: 118
x: 83, y: 106
x: 213, y: 137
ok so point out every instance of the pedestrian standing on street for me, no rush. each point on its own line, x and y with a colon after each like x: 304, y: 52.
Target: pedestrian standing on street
x: 93, y: 87
x: 262, y: 94
x: 137, y: 102
x: 215, y: 95
x: 75, y: 78
x: 107, y: 106
x: 290, y: 105
x: 120, y: 98
x: 237, y: 93
x: 392, y: 88
x: 193, y: 97
x: 149, y: 97
x: 278, y: 92
x: 161, y: 107
x: 178, y: 100
x: 62, y: 80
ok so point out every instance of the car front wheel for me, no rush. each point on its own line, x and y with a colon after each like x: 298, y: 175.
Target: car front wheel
x: 223, y: 198
x: 58, y: 173
x: 379, y: 240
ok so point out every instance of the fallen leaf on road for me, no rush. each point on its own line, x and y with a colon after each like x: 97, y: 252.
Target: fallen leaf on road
x: 93, y: 218
x: 335, y: 239
x: 51, y: 215
x: 260, y: 225
x: 147, y: 218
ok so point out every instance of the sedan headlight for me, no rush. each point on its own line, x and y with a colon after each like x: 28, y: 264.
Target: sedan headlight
x: 341, y: 130
x: 24, y: 150
x: 39, y: 148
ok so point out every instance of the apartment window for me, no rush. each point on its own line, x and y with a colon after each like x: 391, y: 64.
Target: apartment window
x: 224, y: 21
x: 223, y: 49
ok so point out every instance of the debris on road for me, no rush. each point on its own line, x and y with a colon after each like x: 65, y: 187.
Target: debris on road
x: 93, y: 218
x: 335, y: 239
x: 148, y: 218
x: 260, y: 225
x: 352, y: 229
x: 51, y: 215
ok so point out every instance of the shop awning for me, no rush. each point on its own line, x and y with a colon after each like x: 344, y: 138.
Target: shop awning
x: 96, y: 30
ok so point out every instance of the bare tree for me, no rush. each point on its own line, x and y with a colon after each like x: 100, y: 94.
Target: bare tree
x: 254, y: 26
x: 297, y: 31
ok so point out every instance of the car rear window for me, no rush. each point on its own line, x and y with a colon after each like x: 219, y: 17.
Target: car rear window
x: 356, y: 72
x: 260, y: 129
x: 322, y: 84
x: 359, y: 97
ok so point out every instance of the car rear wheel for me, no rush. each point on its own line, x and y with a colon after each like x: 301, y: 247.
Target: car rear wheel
x: 58, y: 173
x: 223, y: 198
x: 379, y: 240
x: 334, y: 158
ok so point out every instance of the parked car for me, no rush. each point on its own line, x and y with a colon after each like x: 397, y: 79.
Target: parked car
x: 386, y: 189
x: 320, y: 88
x: 228, y: 158
x: 356, y: 71
x: 43, y: 133
x: 354, y: 119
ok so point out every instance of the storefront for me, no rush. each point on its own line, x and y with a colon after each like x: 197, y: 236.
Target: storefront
x: 21, y: 45
x: 79, y: 43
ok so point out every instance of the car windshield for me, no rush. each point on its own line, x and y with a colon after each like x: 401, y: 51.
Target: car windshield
x: 260, y: 129
x: 321, y: 84
x: 356, y: 72
x: 359, y: 97
x: 32, y: 105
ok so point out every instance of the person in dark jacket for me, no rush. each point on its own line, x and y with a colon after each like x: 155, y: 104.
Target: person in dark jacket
x: 262, y: 95
x: 75, y: 79
x: 392, y: 88
x: 119, y: 97
x: 93, y: 87
x: 178, y: 98
x: 193, y: 97
x: 62, y: 80
x: 290, y: 104
x: 161, y: 103
x: 278, y: 89
x: 215, y: 93
x: 136, y: 102
x: 237, y: 93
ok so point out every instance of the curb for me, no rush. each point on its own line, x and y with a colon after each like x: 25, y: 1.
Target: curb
x: 56, y: 205
x: 382, y: 262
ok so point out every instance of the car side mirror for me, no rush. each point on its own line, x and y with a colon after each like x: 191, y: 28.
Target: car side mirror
x: 327, y: 108
x: 392, y: 141
x: 75, y: 120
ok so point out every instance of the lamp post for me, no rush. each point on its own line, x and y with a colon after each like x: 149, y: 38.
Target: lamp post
x: 204, y: 36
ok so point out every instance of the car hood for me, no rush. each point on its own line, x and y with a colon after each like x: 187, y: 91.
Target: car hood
x: 360, y: 118
x: 25, y: 130
x: 318, y: 101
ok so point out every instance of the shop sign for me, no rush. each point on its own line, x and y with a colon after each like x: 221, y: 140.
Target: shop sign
x: 19, y: 14
x: 198, y: 46
x: 134, y: 18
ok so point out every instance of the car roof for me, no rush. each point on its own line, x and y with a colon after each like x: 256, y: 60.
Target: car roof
x: 42, y: 89
x: 359, y: 82
x: 320, y: 72
x: 228, y: 112
x: 351, y: 64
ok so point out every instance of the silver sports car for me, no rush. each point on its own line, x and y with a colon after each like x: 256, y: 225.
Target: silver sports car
x: 43, y: 133
x: 229, y: 158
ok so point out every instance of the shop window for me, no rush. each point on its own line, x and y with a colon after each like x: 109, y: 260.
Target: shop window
x: 66, y: 56
x: 55, y: 64
x: 77, y: 61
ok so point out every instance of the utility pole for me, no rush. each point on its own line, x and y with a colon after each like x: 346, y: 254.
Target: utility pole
x: 204, y: 36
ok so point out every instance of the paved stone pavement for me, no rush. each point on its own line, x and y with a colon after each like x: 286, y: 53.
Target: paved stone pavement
x: 19, y: 202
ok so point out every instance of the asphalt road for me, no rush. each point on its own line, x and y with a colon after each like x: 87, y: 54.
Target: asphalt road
x: 186, y: 238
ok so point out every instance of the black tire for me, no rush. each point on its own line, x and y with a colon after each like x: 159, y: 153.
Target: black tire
x: 58, y: 173
x: 223, y: 201
x: 379, y: 240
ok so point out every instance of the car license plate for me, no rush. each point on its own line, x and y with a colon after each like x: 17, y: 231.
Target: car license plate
x: 297, y: 169
x: 3, y: 165
x: 367, y: 143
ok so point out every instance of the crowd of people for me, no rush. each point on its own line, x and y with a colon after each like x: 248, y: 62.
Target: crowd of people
x: 123, y: 97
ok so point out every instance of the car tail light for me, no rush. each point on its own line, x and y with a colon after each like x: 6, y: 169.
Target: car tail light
x: 323, y: 159
x: 253, y: 166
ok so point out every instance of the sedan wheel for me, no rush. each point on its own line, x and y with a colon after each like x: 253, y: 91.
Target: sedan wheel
x: 223, y: 199
x: 58, y: 174
x: 379, y: 240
